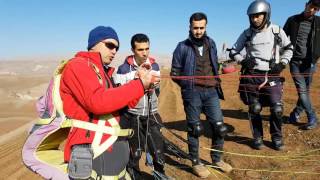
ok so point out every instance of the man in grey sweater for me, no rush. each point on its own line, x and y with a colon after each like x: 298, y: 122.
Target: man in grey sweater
x: 260, y: 84
x: 144, y: 118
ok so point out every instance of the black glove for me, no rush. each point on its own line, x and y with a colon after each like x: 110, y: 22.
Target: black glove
x: 277, y: 68
x: 248, y: 63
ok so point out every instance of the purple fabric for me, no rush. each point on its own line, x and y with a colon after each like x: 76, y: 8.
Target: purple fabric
x: 44, y: 104
x: 44, y: 109
x: 29, y: 153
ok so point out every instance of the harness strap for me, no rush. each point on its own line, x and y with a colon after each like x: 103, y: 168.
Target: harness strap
x: 57, y: 103
x: 65, y: 123
x: 100, y: 129
x: 97, y: 71
x: 276, y: 42
x: 44, y: 121
x: 122, y: 174
x: 114, y: 130
x: 261, y: 59
x: 264, y: 82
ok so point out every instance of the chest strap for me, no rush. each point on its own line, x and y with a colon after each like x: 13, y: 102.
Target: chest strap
x: 114, y: 130
x: 100, y: 129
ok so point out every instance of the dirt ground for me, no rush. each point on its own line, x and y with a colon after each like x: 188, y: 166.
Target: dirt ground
x: 20, y: 86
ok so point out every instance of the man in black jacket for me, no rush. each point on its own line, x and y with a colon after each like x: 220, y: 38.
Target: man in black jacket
x: 304, y: 32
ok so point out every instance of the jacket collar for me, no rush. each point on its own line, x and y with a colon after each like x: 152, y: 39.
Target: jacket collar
x: 301, y: 17
x: 95, y: 58
x: 130, y: 60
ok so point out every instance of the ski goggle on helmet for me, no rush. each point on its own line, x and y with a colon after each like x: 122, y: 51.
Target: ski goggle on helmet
x: 259, y: 7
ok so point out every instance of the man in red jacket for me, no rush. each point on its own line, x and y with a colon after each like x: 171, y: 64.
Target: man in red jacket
x: 96, y: 145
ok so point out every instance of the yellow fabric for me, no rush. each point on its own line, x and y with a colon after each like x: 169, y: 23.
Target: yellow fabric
x: 53, y: 141
x: 56, y: 99
x: 60, y: 67
x: 44, y: 121
x: 123, y: 173
x: 54, y: 158
x: 49, y: 150
x: 66, y: 123
x: 57, y: 102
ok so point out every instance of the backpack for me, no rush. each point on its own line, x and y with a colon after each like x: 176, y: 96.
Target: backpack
x: 42, y: 151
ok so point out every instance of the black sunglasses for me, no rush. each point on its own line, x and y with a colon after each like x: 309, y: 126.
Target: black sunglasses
x: 111, y: 46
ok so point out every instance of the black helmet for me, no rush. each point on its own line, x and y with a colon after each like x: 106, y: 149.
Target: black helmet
x: 260, y: 6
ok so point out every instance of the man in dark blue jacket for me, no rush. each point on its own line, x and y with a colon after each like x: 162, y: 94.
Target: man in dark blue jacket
x: 304, y: 32
x: 196, y: 59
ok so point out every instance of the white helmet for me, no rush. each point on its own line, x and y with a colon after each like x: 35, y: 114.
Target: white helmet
x: 259, y: 6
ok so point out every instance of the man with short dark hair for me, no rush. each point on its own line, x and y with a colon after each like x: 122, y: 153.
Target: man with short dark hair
x: 303, y: 30
x: 144, y: 116
x: 197, y: 57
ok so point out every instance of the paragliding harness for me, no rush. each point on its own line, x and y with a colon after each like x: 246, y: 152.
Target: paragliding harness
x: 245, y: 80
x: 170, y: 147
x: 149, y: 160
x: 41, y: 151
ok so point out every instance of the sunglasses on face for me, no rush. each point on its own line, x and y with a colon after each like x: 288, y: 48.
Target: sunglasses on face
x: 111, y: 46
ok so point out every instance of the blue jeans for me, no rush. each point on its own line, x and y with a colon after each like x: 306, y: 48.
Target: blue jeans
x: 302, y: 76
x: 204, y: 100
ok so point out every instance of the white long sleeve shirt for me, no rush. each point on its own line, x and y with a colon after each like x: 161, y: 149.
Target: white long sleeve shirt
x: 260, y: 44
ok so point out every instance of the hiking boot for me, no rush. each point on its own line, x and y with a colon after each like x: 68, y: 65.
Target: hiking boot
x: 312, y: 123
x: 258, y: 143
x: 277, y: 144
x: 223, y: 166
x: 294, y: 118
x: 200, y: 170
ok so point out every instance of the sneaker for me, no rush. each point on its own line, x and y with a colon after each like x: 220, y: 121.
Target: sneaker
x: 310, y: 126
x: 258, y: 143
x: 223, y: 166
x: 200, y: 170
x: 277, y: 144
x: 312, y: 123
x: 293, y: 118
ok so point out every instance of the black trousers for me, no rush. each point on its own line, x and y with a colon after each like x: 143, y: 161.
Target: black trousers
x: 155, y: 143
x: 268, y: 96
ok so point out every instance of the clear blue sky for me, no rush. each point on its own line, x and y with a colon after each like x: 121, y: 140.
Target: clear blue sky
x: 39, y: 27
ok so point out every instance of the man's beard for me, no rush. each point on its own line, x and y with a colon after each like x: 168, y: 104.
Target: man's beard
x: 197, y: 41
